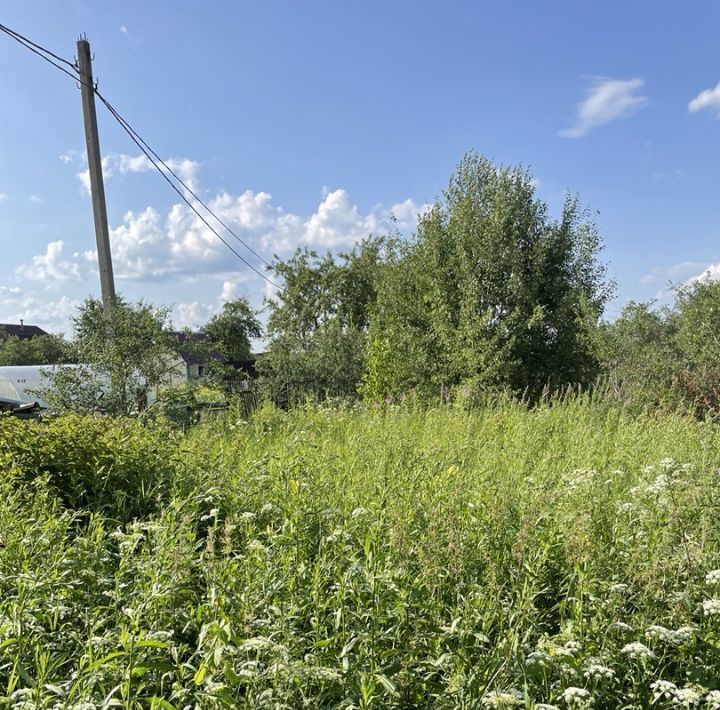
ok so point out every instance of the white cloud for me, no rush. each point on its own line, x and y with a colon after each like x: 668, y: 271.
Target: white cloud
x: 229, y: 291
x: 708, y: 99
x: 123, y: 29
x: 192, y: 315
x: 122, y: 164
x: 4, y: 196
x: 709, y: 273
x: 149, y: 245
x: 666, y: 274
x: 607, y: 100
x: 35, y: 199
x: 74, y: 157
x: 53, y: 316
x: 50, y: 266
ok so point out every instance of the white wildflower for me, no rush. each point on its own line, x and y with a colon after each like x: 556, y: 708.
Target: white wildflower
x: 683, y: 635
x: 713, y: 577
x: 667, y: 463
x: 659, y: 485
x: 545, y: 706
x: 539, y: 659
x: 711, y: 607
x: 712, y: 700
x: 663, y: 689
x: 621, y: 626
x: 658, y: 633
x: 637, y: 650
x: 503, y: 699
x: 573, y: 647
x: 577, y: 697
x: 688, y: 697
x: 598, y: 671
x: 619, y: 588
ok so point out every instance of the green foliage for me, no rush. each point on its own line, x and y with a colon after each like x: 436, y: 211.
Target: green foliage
x: 641, y: 358
x: 124, y: 355
x: 492, y: 290
x: 318, y: 323
x: 362, y: 558
x: 39, y: 350
x: 223, y: 341
x: 113, y: 467
x: 230, y: 331
x: 668, y: 358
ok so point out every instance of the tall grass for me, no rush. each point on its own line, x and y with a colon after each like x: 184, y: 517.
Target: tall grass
x: 366, y: 559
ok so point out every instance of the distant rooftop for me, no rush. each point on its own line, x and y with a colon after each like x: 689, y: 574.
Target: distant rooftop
x: 22, y: 331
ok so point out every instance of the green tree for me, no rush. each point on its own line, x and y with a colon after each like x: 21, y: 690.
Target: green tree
x: 39, y: 350
x: 640, y: 358
x: 124, y: 354
x: 318, y: 323
x: 224, y: 340
x: 697, y: 309
x: 491, y: 293
x: 230, y: 332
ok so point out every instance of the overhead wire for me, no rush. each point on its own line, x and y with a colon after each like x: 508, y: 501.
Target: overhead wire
x: 38, y: 49
x: 157, y: 162
x: 190, y: 191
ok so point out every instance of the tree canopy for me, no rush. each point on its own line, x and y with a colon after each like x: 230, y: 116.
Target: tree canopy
x: 492, y: 292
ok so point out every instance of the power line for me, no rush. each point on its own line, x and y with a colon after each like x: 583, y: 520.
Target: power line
x: 157, y: 166
x: 38, y: 49
x: 147, y: 150
x: 135, y: 134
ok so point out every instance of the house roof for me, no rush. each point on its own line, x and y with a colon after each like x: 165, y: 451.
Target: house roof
x: 190, y: 354
x: 22, y: 331
x: 196, y: 356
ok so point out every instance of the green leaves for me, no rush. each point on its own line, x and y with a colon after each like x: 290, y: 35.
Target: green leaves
x: 325, y: 557
x: 125, y: 355
x: 492, y: 291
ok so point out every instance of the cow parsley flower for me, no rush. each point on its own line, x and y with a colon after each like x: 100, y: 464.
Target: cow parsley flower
x: 663, y: 689
x: 503, y: 699
x: 712, y: 700
x: 682, y: 635
x: 595, y: 670
x: 711, y: 607
x: 688, y: 697
x: 659, y: 485
x: 658, y: 633
x: 637, y: 650
x: 539, y: 659
x: 713, y: 577
x: 577, y: 697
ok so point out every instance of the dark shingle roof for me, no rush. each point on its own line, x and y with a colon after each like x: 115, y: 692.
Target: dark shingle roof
x: 22, y: 331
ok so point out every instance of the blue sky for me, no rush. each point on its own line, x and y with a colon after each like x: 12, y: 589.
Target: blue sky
x: 311, y: 123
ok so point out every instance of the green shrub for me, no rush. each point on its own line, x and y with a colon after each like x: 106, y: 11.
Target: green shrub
x: 114, y: 466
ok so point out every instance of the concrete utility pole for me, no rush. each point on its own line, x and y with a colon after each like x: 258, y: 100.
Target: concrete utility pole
x: 97, y: 189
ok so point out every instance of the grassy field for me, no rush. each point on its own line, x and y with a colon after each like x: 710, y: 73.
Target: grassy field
x: 565, y: 557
